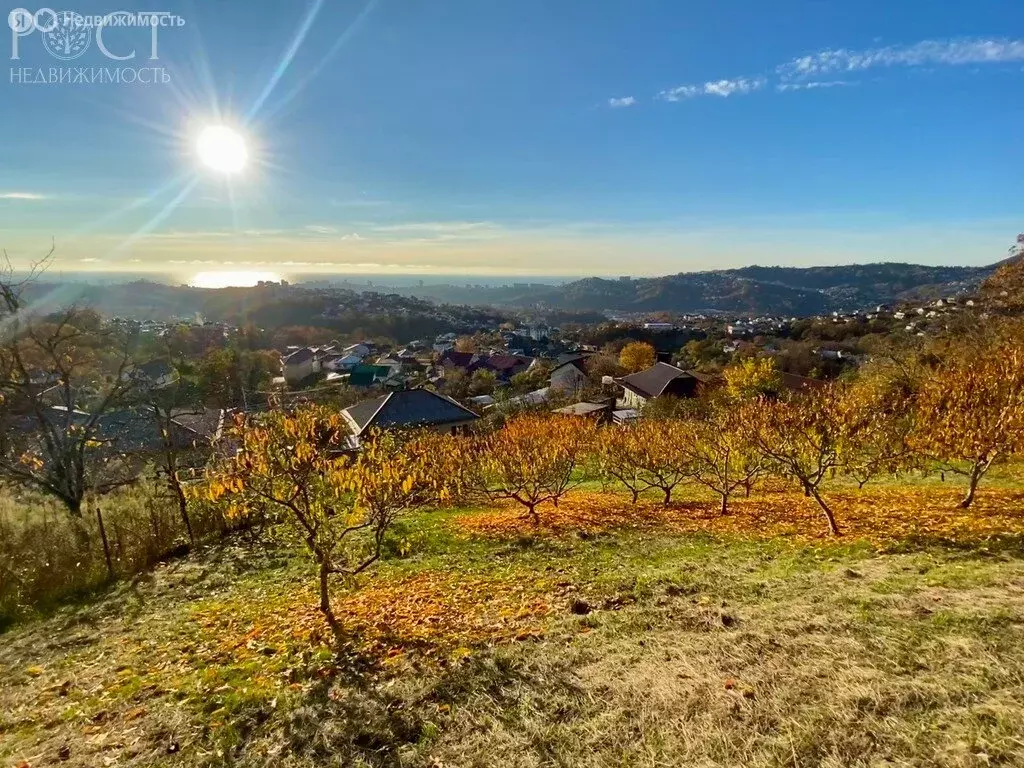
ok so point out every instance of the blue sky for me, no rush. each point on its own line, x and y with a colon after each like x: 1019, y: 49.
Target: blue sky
x: 529, y: 137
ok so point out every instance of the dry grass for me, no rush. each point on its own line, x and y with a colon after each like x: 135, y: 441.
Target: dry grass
x: 657, y: 638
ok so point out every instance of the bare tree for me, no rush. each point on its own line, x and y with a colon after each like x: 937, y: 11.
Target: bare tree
x: 60, y: 375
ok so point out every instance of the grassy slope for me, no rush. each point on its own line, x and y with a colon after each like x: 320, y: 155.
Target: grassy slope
x: 640, y: 647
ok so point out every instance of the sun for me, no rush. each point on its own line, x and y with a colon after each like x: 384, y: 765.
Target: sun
x: 222, y: 149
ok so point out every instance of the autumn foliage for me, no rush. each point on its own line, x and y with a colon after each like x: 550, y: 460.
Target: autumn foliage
x: 298, y: 468
x: 533, y: 460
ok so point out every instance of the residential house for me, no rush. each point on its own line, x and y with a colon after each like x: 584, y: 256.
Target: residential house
x: 507, y: 366
x: 156, y: 374
x: 569, y: 374
x: 659, y: 380
x: 301, y: 364
x: 409, y: 409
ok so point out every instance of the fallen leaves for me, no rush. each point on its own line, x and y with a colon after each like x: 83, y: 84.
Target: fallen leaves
x: 431, y: 612
x: 884, y: 515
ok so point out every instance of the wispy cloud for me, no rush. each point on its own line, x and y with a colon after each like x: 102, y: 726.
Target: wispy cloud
x: 21, y: 196
x: 320, y: 229
x: 812, y: 85
x: 811, y: 72
x: 924, y: 53
x: 625, y: 101
x: 723, y: 88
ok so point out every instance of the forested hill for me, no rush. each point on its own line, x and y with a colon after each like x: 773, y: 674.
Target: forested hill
x: 755, y: 290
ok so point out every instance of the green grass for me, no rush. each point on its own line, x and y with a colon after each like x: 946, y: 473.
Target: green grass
x: 660, y: 650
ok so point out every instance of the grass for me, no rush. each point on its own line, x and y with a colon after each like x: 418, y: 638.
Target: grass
x: 638, y: 642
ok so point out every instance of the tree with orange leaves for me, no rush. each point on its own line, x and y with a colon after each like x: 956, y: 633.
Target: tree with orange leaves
x: 800, y: 438
x: 722, y: 458
x: 532, y: 460
x: 299, y: 467
x: 970, y: 411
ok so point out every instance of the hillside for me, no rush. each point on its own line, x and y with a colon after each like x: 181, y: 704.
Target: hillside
x: 612, y: 636
x: 753, y: 290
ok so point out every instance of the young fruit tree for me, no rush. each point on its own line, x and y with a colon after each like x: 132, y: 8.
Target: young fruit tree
x: 615, y: 449
x: 532, y: 460
x: 722, y: 459
x: 660, y: 456
x: 800, y: 438
x: 299, y: 466
x: 970, y: 412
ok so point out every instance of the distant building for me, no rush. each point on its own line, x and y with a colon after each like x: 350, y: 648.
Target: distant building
x: 156, y: 374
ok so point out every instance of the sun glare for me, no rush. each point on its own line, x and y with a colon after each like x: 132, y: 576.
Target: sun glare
x: 222, y: 149
x: 240, y: 279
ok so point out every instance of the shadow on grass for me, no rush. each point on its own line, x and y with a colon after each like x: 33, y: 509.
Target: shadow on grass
x: 353, y: 714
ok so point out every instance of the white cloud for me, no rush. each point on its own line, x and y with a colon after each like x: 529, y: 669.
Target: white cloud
x: 812, y: 85
x: 721, y: 88
x: 924, y: 53
x: 319, y: 229
x: 809, y: 72
x: 21, y: 196
x: 625, y: 101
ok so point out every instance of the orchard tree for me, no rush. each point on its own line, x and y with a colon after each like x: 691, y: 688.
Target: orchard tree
x: 660, y: 456
x: 616, y: 448
x: 637, y: 356
x: 877, y: 412
x: 722, y: 458
x: 532, y: 460
x: 799, y: 438
x: 297, y: 467
x: 970, y: 412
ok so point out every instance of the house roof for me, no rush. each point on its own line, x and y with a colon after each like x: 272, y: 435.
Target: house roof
x: 299, y: 356
x: 577, y: 361
x: 156, y: 369
x: 581, y: 409
x: 407, y: 408
x: 507, y: 362
x: 653, y: 381
x: 796, y: 383
x: 458, y: 359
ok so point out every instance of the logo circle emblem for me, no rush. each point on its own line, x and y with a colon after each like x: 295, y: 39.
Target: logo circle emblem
x: 69, y: 37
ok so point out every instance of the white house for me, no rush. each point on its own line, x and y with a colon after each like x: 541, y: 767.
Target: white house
x: 300, y: 365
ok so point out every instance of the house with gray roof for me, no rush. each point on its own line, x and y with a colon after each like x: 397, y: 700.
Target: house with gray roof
x: 659, y: 380
x: 409, y: 409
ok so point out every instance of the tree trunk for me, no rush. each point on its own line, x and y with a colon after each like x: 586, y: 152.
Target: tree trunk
x: 531, y: 509
x: 833, y: 527
x: 636, y: 495
x: 668, y: 496
x: 179, y: 494
x: 325, y: 604
x: 725, y: 504
x: 106, y: 543
x: 976, y: 474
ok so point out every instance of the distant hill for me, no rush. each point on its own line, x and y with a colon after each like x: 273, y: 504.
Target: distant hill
x: 754, y: 290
